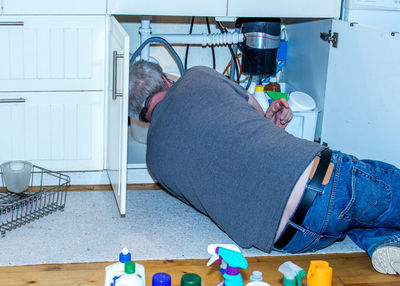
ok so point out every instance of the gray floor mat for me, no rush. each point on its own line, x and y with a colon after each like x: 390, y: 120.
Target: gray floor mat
x: 90, y: 229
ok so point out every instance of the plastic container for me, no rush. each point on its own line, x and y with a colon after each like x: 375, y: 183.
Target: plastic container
x: 257, y: 283
x: 117, y: 269
x: 190, y: 279
x: 114, y: 271
x: 300, y: 101
x: 161, y: 279
x: 17, y: 175
x: 272, y: 85
x: 129, y: 278
x: 319, y: 273
x: 256, y: 276
x: 138, y: 130
x: 261, y: 98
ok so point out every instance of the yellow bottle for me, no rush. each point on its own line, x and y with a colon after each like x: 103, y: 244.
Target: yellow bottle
x: 319, y: 273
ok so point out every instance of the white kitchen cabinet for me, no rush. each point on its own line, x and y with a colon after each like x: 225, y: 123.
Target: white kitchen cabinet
x: 231, y: 8
x: 354, y: 84
x: 19, y: 7
x: 167, y: 8
x: 117, y: 100
x: 284, y: 8
x: 52, y: 53
x: 54, y: 130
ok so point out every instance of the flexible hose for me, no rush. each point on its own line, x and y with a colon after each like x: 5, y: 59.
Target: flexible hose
x: 231, y: 51
x: 167, y: 45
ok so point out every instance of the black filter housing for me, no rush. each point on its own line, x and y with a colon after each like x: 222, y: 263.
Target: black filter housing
x: 259, y: 61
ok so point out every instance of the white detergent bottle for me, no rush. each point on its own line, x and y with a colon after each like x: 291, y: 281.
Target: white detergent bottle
x: 129, y: 278
x: 259, y: 95
x: 118, y: 268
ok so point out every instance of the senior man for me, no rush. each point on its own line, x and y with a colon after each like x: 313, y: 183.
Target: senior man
x: 210, y: 145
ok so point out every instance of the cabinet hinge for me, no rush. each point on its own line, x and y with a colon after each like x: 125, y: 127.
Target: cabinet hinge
x: 330, y: 38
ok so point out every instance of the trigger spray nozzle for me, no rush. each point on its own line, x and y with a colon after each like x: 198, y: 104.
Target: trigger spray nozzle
x: 292, y: 274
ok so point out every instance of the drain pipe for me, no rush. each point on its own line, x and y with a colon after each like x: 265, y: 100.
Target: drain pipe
x: 145, y: 33
x: 199, y: 39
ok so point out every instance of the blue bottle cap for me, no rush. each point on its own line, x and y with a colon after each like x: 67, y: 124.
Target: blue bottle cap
x: 125, y: 256
x: 161, y: 279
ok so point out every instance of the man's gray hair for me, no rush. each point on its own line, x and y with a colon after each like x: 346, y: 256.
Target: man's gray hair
x: 144, y: 80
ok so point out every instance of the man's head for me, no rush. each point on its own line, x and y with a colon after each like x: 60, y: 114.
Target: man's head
x: 145, y: 80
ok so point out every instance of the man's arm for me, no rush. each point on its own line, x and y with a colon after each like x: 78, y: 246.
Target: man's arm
x: 278, y: 112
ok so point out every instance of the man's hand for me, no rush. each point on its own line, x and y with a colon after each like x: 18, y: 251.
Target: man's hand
x: 279, y: 112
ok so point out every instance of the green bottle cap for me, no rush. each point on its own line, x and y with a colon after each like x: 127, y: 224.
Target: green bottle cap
x: 190, y: 279
x: 130, y: 267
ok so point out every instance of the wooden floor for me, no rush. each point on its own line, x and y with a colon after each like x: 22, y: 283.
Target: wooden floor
x: 348, y: 269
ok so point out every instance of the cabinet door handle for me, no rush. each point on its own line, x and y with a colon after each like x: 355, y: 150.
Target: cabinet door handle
x: 115, y: 94
x: 13, y: 23
x: 12, y: 100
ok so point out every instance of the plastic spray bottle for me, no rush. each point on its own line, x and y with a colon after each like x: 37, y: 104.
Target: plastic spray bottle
x: 233, y: 259
x: 114, y: 271
x: 291, y: 274
x: 129, y: 278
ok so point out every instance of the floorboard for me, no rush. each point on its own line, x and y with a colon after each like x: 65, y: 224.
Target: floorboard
x: 348, y: 270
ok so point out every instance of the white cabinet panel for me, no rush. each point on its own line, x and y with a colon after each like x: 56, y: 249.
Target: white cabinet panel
x: 117, y: 107
x: 285, y: 8
x: 168, y: 8
x: 18, y: 7
x: 54, y: 130
x: 52, y: 53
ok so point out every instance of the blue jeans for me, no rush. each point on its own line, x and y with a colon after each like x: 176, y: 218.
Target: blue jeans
x: 361, y: 200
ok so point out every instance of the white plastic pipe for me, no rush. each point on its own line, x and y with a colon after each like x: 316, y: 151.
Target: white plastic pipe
x: 203, y: 39
x: 145, y: 33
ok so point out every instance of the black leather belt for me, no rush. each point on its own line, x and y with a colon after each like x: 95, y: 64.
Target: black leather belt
x: 307, y: 199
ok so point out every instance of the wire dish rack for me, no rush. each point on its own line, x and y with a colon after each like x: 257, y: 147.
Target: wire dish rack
x: 46, y: 193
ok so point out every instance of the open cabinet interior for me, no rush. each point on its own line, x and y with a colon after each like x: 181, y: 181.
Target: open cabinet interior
x: 349, y: 70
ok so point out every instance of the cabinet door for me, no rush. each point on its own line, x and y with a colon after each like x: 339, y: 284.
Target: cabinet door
x: 54, y: 7
x: 52, y: 53
x: 117, y: 100
x: 168, y: 8
x: 55, y: 130
x: 362, y: 97
x: 285, y: 8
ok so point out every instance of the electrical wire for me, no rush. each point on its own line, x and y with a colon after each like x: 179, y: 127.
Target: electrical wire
x: 187, y: 46
x: 212, y: 47
x: 224, y: 30
x: 167, y: 45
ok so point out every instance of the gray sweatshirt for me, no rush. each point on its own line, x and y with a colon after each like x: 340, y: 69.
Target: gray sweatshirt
x: 210, y: 148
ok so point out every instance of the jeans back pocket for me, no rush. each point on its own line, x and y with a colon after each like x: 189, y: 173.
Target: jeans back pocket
x: 370, y: 199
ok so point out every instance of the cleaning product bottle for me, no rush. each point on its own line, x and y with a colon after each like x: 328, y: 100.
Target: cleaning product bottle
x: 256, y: 276
x: 272, y: 85
x: 291, y: 274
x: 190, y: 279
x: 117, y: 269
x: 256, y: 279
x: 129, y: 278
x: 319, y: 273
x: 161, y: 279
x: 234, y: 260
x: 259, y: 95
x: 114, y: 271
